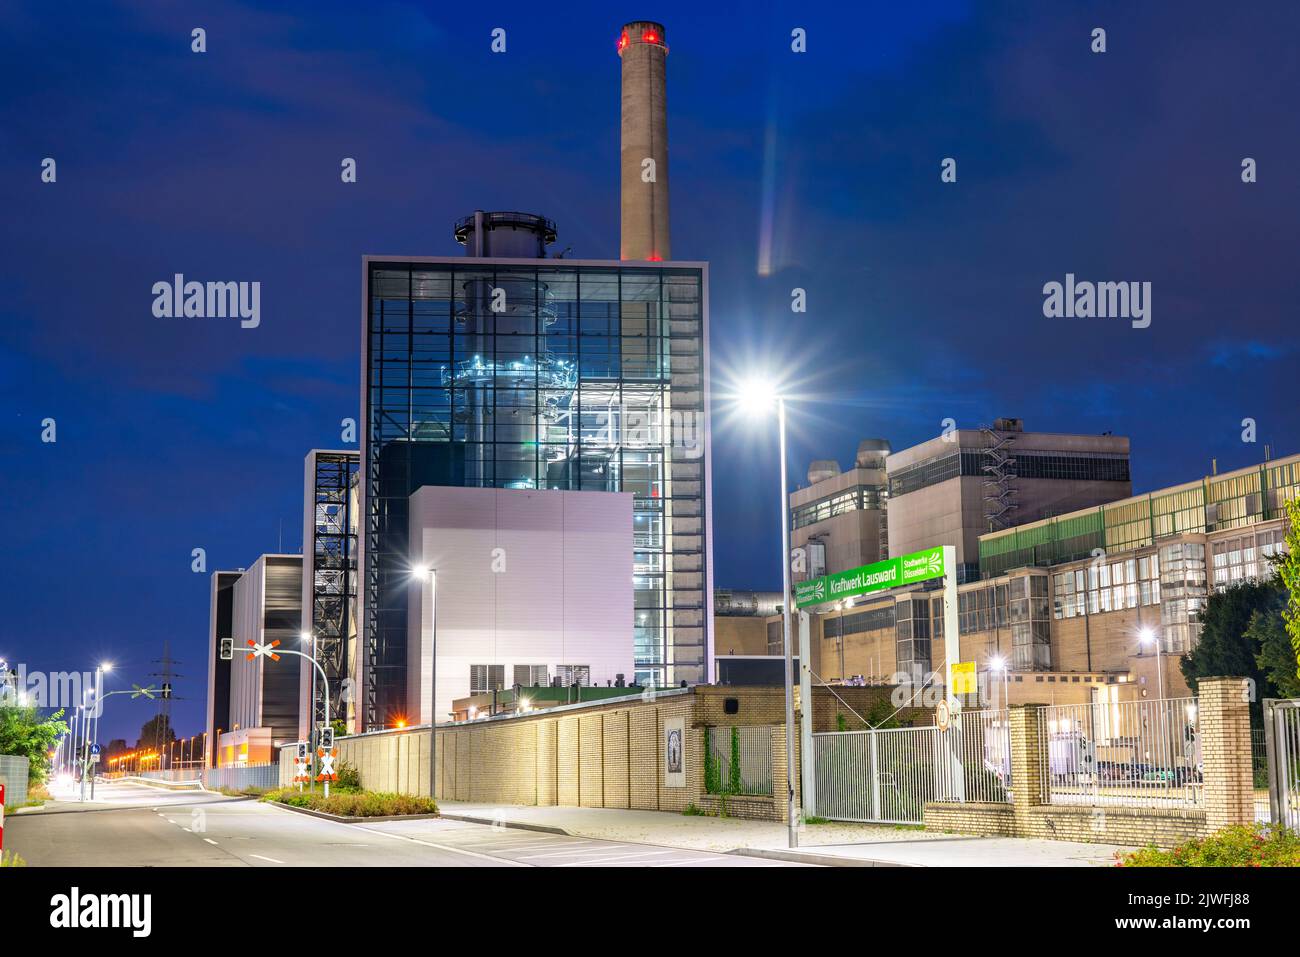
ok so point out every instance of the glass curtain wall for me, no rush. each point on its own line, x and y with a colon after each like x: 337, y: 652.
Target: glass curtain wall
x: 555, y: 376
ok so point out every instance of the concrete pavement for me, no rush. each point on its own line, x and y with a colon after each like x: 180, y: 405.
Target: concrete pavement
x: 136, y: 825
x: 833, y: 843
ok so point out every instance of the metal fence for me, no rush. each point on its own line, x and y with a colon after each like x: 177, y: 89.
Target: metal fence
x: 13, y: 775
x: 1134, y: 753
x: 1282, y: 737
x: 262, y: 776
x: 739, y: 760
x: 887, y: 775
x: 980, y: 743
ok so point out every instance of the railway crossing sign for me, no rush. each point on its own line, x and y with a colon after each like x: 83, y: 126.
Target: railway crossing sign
x: 302, y: 763
x: 327, y: 772
x: 263, y: 650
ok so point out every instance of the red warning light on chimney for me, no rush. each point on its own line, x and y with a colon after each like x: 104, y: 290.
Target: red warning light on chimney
x: 623, y: 41
x: 650, y: 37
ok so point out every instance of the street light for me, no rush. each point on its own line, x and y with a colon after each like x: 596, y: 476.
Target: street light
x: 418, y: 573
x: 998, y: 663
x: 99, y: 691
x: 310, y: 637
x: 1148, y: 636
x: 756, y: 397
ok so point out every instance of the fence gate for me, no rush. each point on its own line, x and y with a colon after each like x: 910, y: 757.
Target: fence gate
x: 886, y: 776
x: 1282, y: 743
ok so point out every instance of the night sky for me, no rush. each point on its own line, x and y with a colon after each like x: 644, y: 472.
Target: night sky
x: 818, y: 170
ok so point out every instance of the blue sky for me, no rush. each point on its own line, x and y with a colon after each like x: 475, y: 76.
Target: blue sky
x: 924, y: 298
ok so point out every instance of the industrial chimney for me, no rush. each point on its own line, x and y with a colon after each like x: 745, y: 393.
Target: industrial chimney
x: 644, y: 149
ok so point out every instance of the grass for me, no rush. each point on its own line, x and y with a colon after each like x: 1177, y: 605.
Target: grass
x: 692, y: 811
x: 10, y: 859
x: 243, y: 792
x: 814, y: 819
x: 1243, y: 845
x: 354, y: 803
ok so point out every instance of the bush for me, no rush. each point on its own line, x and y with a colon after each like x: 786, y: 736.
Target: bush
x: 355, y: 803
x: 1243, y: 845
x: 10, y: 859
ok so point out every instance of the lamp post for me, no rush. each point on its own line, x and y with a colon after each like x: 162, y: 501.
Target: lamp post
x: 758, y: 396
x: 418, y: 573
x: 998, y: 663
x: 312, y: 734
x: 99, y: 697
x: 273, y: 651
x: 1148, y: 636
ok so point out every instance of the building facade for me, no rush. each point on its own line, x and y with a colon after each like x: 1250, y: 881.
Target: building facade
x: 264, y: 694
x: 537, y: 374
x: 1065, y: 601
x: 839, y: 518
x: 331, y: 519
x: 954, y: 488
x: 526, y: 587
x: 221, y: 616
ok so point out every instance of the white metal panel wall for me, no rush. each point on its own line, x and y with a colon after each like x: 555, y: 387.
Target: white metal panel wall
x: 563, y: 594
x: 246, y: 676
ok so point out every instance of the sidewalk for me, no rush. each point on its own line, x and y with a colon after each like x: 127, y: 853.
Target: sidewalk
x: 835, y: 843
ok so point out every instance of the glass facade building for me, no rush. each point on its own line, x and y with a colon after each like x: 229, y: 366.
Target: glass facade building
x: 539, y: 374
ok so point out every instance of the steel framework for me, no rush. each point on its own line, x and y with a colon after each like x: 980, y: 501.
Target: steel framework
x: 334, y: 577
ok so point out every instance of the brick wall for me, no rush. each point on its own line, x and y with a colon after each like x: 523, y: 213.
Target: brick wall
x: 1224, y: 722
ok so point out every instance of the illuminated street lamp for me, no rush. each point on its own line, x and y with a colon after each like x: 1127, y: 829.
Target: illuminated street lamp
x: 418, y: 574
x: 1148, y: 636
x: 998, y: 663
x: 756, y: 397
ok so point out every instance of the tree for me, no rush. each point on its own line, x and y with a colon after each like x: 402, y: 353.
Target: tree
x: 1288, y: 569
x: 1223, y: 648
x: 24, y: 732
x: 1275, y: 657
x: 157, y: 732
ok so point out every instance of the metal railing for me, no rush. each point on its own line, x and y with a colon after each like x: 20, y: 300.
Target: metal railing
x: 887, y: 775
x: 980, y: 743
x: 740, y: 760
x: 1133, y: 753
x: 1282, y: 737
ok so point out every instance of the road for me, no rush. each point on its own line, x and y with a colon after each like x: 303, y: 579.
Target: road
x: 131, y: 825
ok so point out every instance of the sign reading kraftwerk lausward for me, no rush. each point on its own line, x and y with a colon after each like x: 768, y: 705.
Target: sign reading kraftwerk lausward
x: 892, y: 572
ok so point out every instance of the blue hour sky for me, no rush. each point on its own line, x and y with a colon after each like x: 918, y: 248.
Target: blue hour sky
x: 817, y: 170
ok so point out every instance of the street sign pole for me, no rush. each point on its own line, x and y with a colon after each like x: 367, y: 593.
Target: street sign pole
x: 807, y: 768
x: 951, y: 652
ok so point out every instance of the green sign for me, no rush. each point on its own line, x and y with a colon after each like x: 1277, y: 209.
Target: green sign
x: 891, y: 573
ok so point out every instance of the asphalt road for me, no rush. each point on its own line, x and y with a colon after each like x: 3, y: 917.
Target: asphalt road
x: 133, y: 825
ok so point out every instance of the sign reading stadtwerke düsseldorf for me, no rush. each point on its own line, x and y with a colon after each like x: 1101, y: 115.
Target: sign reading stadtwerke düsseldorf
x: 892, y: 572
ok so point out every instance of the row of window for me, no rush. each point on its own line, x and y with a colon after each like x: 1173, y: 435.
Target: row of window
x: 487, y: 678
x: 1092, y: 466
x: 849, y: 500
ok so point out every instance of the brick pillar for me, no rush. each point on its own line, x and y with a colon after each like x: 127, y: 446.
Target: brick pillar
x: 1027, y: 757
x: 1223, y: 714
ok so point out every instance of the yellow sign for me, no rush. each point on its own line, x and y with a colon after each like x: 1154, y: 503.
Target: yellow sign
x: 963, y: 678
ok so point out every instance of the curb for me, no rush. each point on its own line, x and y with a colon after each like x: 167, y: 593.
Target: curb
x: 517, y: 825
x: 810, y: 857
x: 325, y: 815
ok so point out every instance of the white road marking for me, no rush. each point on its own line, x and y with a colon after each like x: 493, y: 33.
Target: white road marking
x: 261, y: 858
x: 210, y: 841
x: 599, y: 861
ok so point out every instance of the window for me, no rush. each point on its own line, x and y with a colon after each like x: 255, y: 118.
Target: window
x: 486, y: 678
x: 531, y: 675
x: 574, y: 674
